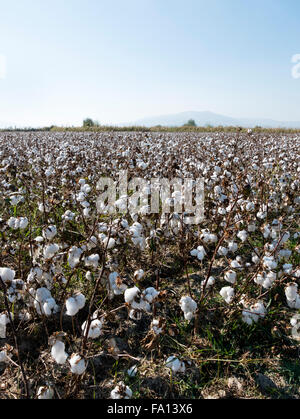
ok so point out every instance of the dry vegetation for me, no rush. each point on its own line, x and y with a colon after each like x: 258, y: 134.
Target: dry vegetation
x: 71, y: 322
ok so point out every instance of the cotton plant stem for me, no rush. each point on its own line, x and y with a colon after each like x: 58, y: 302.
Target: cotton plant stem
x: 25, y: 381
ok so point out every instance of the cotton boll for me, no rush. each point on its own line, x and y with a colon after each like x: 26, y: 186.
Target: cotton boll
x: 156, y: 326
x: 4, y: 320
x: 121, y: 391
x: 139, y: 274
x: 230, y: 276
x: 189, y: 307
x: 50, y: 232
x: 269, y: 262
x: 150, y: 294
x: 109, y: 243
x: 222, y: 251
x: 74, y: 256
x: 58, y: 352
x: 242, y: 235
x: 80, y: 300
x: 95, y: 329
x: 210, y: 283
x: 50, y: 251
x: 176, y: 365
x: 39, y: 239
x: 7, y: 275
x: 227, y: 293
x: 130, y: 294
x: 116, y: 284
x: 78, y: 365
x: 72, y: 307
x: 45, y: 393
x: 3, y: 356
x: 132, y: 371
x: 232, y: 246
x: 48, y: 306
x: 92, y: 261
x: 23, y: 223
x: 42, y: 294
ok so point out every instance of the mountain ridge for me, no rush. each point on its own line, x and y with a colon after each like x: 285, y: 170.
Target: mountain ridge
x: 204, y: 118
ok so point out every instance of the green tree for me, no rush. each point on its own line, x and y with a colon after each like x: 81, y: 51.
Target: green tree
x: 88, y: 122
x: 191, y: 123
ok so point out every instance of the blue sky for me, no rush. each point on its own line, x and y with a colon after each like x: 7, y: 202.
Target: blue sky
x: 121, y: 60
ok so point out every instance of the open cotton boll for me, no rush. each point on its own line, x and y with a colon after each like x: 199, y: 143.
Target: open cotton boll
x: 175, y: 365
x: 74, y: 256
x: 227, y: 293
x: 109, y: 243
x: 188, y: 306
x: 3, y: 356
x: 209, y: 283
x: 92, y: 261
x: 156, y: 326
x: 230, y: 276
x: 58, y: 352
x: 242, y: 235
x: 121, y: 391
x: 72, y: 307
x: 68, y: 216
x: 48, y: 306
x: 7, y: 275
x: 200, y: 253
x: 74, y: 304
x: 23, y: 223
x: 222, y: 251
x: 232, y: 246
x: 45, y: 393
x: 78, y: 365
x: 292, y: 296
x: 80, y: 300
x: 95, y: 329
x: 130, y: 294
x: 4, y: 320
x: 116, y: 284
x: 269, y: 262
x: 39, y: 239
x: 150, y: 294
x: 139, y: 274
x: 253, y: 313
x: 50, y: 232
x: 132, y: 371
x: 50, y: 251
x: 295, y: 320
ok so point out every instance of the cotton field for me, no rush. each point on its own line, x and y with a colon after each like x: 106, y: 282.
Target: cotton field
x: 124, y: 304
